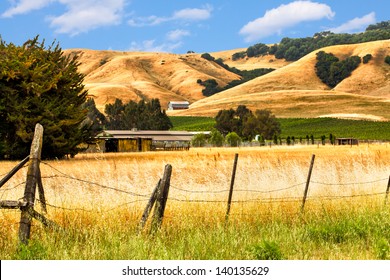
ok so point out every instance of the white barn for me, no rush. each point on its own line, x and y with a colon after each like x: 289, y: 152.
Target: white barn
x: 178, y: 105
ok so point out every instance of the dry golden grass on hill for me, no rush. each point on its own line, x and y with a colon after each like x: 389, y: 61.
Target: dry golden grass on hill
x: 136, y: 75
x: 267, y: 61
x: 292, y: 90
x: 297, y: 103
x: 296, y: 91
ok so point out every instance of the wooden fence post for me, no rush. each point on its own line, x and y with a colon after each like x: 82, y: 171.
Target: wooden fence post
x: 31, y: 183
x: 149, y: 207
x: 387, y: 190
x: 231, y: 187
x: 161, y: 201
x: 41, y: 192
x: 307, y: 183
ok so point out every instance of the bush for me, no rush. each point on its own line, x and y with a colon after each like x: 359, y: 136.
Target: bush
x: 267, y: 250
x: 199, y: 140
x: 216, y: 138
x: 387, y: 59
x: 207, y: 56
x: 367, y: 58
x: 211, y: 87
x: 239, y: 55
x: 233, y: 139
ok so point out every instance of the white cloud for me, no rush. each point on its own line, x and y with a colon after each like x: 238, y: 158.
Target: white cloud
x: 193, y: 14
x: 186, y: 15
x: 176, y: 35
x: 82, y: 16
x: 25, y: 6
x: 150, y: 46
x: 276, y: 20
x: 356, y: 24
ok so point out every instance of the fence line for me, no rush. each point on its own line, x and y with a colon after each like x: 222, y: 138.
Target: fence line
x: 347, y: 184
x: 294, y: 199
x: 254, y: 200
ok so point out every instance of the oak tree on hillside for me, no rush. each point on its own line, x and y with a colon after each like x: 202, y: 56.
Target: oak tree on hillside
x: 40, y: 84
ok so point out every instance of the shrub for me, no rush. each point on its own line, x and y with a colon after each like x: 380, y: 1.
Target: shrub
x: 267, y: 250
x: 216, y: 138
x: 199, y: 140
x: 383, y: 249
x: 367, y: 58
x: 387, y: 59
x: 233, y: 139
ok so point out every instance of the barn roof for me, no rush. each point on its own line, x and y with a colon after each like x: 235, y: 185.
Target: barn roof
x: 179, y: 102
x: 156, y: 135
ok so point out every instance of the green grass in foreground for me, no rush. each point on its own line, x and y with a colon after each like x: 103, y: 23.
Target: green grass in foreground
x: 359, y: 233
x: 299, y: 127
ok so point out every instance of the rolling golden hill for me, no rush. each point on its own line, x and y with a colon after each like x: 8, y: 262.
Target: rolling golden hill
x: 295, y: 90
x: 292, y: 90
x: 136, y: 75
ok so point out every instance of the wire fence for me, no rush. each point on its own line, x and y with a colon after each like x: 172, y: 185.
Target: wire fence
x: 143, y: 197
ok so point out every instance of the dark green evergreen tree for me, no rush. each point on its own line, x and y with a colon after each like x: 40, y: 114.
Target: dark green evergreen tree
x: 115, y: 115
x: 95, y: 120
x: 142, y: 115
x: 40, y: 84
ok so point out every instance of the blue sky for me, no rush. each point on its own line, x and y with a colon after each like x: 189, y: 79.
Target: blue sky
x: 178, y: 26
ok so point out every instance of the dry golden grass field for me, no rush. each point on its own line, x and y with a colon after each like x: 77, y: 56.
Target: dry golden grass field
x: 263, y: 174
x: 98, y: 199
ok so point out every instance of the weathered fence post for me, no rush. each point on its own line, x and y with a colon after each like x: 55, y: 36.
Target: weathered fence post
x: 161, y: 201
x: 231, y: 187
x: 31, y: 183
x: 307, y: 183
x: 387, y: 190
x: 149, y: 207
x: 41, y: 193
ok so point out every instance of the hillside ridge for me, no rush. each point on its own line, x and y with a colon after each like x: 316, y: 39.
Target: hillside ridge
x: 292, y: 90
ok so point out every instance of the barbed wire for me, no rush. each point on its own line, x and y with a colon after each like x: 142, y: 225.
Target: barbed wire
x: 347, y: 184
x: 251, y: 200
x: 237, y: 190
x: 24, y: 166
x: 93, y: 210
x: 64, y: 175
x: 13, y: 187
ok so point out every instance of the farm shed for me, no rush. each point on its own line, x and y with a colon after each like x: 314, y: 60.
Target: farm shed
x: 178, y: 105
x: 143, y: 140
x: 347, y: 141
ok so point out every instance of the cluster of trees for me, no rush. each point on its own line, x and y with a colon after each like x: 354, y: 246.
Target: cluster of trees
x: 142, y: 115
x: 211, y: 85
x: 39, y: 84
x: 216, y: 139
x: 246, y: 124
x: 294, y: 49
x: 232, y: 139
x: 331, y: 70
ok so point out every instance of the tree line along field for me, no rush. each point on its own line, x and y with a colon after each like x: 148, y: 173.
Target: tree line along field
x: 98, y: 200
x: 300, y: 127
